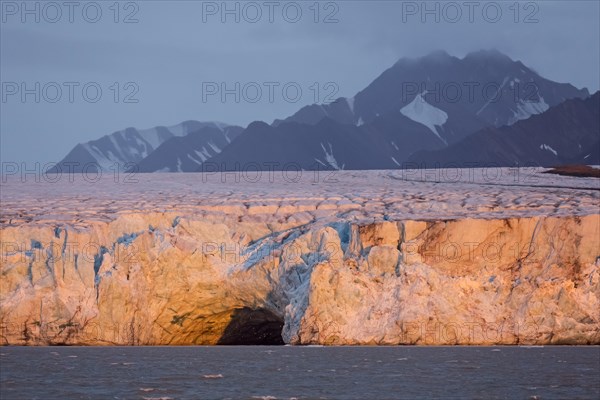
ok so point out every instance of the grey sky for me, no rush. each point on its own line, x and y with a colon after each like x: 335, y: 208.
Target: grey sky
x: 170, y: 52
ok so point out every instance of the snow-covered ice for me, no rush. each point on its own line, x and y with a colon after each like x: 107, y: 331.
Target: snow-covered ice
x: 488, y: 192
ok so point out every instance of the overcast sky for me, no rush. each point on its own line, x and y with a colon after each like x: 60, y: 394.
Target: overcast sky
x: 163, y: 59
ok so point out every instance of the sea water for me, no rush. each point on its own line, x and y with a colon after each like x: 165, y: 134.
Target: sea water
x: 287, y: 372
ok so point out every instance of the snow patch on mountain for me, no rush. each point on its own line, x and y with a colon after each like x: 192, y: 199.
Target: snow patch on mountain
x: 329, y: 158
x: 324, y: 109
x: 177, y: 130
x: 104, y: 161
x: 215, y: 148
x: 203, y: 154
x: 193, y: 159
x: 152, y: 136
x: 424, y: 113
x: 350, y: 102
x: 220, y: 125
x: 548, y: 148
x: 226, y: 134
x: 526, y: 109
x: 495, y: 96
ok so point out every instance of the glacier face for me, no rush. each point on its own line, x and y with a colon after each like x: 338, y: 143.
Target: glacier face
x: 378, y: 257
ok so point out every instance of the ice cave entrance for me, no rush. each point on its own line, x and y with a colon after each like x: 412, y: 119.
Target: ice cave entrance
x: 253, y: 327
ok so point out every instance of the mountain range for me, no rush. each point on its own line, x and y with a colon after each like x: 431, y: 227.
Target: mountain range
x: 437, y: 109
x: 153, y: 149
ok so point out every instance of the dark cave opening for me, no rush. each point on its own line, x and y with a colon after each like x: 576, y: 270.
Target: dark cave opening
x: 253, y: 327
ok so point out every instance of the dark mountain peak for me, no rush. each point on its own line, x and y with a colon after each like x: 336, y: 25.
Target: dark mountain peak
x: 437, y: 56
x: 190, y: 122
x: 442, y: 57
x: 490, y: 55
x: 258, y: 125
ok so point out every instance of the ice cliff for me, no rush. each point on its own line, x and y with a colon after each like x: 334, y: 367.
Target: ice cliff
x: 374, y: 258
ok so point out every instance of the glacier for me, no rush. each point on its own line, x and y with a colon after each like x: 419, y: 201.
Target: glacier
x: 473, y: 257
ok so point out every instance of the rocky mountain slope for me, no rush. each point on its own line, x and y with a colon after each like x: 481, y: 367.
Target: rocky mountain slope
x: 568, y: 133
x: 187, y: 153
x: 486, y: 85
x: 123, y: 150
x: 498, y: 256
x: 424, y: 104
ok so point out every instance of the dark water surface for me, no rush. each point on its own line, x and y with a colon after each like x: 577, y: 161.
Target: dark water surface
x: 285, y: 372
